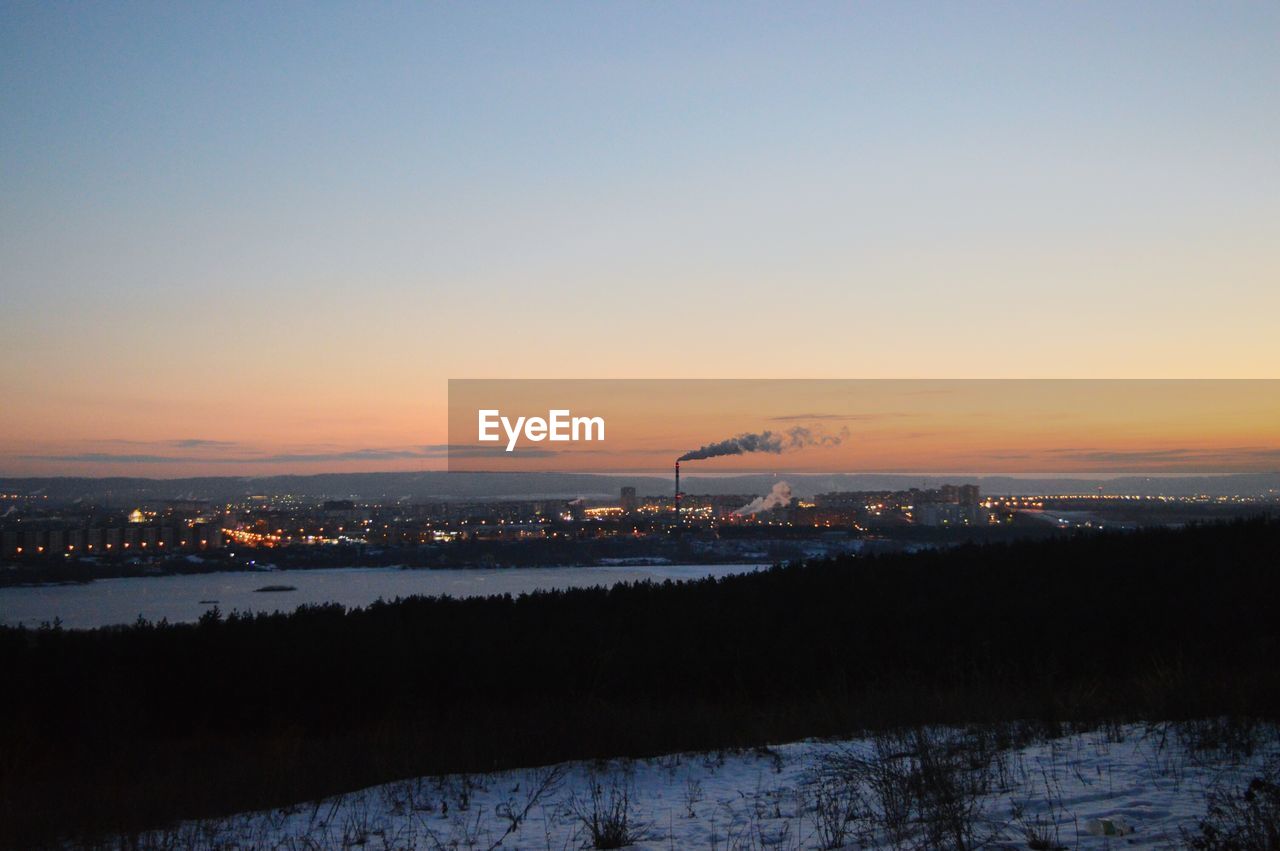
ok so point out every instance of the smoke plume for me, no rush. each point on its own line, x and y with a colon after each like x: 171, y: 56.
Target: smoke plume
x: 774, y: 442
x: 779, y: 497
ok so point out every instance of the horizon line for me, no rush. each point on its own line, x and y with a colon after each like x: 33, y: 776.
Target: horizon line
x: 1106, y: 475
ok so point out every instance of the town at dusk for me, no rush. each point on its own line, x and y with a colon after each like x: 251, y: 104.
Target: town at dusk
x: 639, y: 425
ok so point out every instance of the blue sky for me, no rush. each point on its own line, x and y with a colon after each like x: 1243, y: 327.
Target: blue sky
x: 327, y: 210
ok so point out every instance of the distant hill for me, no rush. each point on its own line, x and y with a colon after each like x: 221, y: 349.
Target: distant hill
x: 473, y: 486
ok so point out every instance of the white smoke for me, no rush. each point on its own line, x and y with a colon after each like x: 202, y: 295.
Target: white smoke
x: 779, y: 497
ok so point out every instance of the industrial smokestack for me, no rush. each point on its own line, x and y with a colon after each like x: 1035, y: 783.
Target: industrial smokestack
x: 677, y: 493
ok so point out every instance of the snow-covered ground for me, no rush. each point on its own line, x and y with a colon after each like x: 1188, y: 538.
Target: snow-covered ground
x: 1119, y: 787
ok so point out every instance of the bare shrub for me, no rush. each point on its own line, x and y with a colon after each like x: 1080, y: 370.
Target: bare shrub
x: 918, y: 788
x: 693, y: 795
x: 837, y: 806
x: 608, y: 814
x: 953, y: 778
x: 1041, y: 829
x: 1163, y: 752
x: 1239, y: 819
x: 541, y: 785
x: 669, y: 765
x: 1225, y: 737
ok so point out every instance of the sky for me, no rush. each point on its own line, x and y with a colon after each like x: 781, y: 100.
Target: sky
x: 999, y: 426
x: 273, y: 232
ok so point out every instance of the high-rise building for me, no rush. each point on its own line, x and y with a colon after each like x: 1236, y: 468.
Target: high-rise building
x: 628, y: 499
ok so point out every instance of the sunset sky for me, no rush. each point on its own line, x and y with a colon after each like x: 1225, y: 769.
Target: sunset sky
x: 246, y: 238
x: 884, y: 426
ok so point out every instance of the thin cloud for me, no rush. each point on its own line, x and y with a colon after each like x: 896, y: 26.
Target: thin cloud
x: 202, y: 443
x: 176, y: 443
x: 838, y: 417
x: 467, y: 451
x: 348, y: 455
x: 1181, y: 454
x: 110, y: 458
x: 432, y: 451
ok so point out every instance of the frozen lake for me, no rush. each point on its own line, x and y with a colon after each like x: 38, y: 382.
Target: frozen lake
x: 179, y: 598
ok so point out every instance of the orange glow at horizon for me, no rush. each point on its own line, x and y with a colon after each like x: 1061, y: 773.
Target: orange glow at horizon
x: 891, y: 426
x: 996, y: 426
